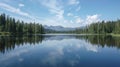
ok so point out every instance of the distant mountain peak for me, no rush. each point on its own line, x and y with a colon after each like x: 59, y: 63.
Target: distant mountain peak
x: 59, y: 28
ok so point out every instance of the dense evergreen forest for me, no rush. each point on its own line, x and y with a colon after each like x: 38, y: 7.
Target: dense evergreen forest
x: 101, y: 28
x: 10, y: 26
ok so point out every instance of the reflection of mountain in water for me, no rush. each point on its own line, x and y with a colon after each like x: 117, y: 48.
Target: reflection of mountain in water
x: 9, y: 43
x: 58, y: 37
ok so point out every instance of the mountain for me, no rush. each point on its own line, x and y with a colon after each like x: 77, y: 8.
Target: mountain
x: 58, y: 28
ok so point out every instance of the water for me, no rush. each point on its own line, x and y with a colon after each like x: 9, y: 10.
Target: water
x: 60, y: 51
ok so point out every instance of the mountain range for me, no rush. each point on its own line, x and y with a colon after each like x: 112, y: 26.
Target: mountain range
x: 58, y: 28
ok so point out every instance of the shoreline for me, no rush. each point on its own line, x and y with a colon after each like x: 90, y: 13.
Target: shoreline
x: 116, y: 35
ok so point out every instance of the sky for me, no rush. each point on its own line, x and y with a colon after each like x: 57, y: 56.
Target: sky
x: 66, y: 13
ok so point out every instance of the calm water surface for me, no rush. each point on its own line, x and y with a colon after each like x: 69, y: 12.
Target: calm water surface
x: 60, y: 51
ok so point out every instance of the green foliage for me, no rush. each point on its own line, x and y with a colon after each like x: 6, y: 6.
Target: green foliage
x: 101, y: 28
x: 8, y: 24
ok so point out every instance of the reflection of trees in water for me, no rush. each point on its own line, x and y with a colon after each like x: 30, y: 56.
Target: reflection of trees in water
x: 8, y: 43
x: 102, y: 40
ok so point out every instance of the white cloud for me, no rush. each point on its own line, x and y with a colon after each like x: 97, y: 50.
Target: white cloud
x: 13, y: 9
x: 17, y: 11
x: 76, y: 16
x: 92, y: 18
x: 54, y: 7
x: 88, y: 20
x: 73, y: 2
x: 78, y: 9
x: 58, y: 15
x: 52, y: 4
x: 79, y: 20
x: 21, y: 5
x: 57, y: 10
x: 71, y: 21
x: 69, y: 14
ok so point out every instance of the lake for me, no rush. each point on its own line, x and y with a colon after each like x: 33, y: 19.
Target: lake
x: 60, y: 51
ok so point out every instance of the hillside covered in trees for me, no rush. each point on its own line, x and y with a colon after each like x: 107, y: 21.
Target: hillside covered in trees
x: 10, y: 26
x: 101, y: 28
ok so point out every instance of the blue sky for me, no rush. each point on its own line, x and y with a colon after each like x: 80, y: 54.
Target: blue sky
x: 67, y: 13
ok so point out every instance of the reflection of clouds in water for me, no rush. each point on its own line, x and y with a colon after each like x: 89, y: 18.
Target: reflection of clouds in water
x: 82, y: 43
x: 68, y: 45
x: 73, y: 62
x: 60, y: 51
x: 14, y: 54
x: 20, y: 59
x: 78, y: 56
x: 90, y: 47
x: 57, y: 51
x: 78, y: 45
x: 53, y: 56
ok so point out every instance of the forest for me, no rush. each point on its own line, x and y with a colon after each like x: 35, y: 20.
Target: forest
x: 11, y: 26
x: 108, y: 27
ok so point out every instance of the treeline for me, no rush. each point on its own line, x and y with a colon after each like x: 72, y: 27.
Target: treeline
x: 9, y: 25
x: 101, y: 28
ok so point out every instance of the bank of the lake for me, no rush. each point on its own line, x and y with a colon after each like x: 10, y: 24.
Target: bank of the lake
x: 17, y: 34
x: 117, y: 35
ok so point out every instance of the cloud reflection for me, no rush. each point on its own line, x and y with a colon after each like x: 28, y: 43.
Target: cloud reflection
x: 13, y: 54
x: 63, y: 47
